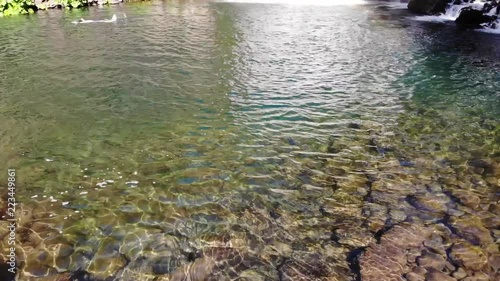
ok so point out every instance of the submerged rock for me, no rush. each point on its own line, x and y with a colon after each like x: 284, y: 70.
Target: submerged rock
x: 428, y: 7
x: 468, y: 256
x: 436, y: 275
x: 388, y: 260
x: 430, y: 260
x: 472, y: 229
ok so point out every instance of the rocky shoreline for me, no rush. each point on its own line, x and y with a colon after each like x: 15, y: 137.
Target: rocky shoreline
x: 473, y: 14
x: 56, y: 4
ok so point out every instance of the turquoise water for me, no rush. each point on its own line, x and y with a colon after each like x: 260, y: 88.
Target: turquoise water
x: 241, y: 140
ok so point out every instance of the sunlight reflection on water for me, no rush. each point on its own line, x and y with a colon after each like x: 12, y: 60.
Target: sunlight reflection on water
x: 301, y: 2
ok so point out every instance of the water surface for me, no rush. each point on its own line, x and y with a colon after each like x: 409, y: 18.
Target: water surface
x: 250, y: 140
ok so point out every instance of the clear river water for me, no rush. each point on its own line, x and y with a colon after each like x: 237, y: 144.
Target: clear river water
x: 193, y: 140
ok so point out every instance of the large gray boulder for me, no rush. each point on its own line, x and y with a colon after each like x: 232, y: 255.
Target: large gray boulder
x: 427, y: 7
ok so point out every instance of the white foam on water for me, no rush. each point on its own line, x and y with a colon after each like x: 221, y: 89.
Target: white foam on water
x: 453, y: 11
x: 113, y: 19
x: 489, y: 30
x: 300, y: 2
x: 431, y: 18
x: 396, y: 5
x: 101, y: 184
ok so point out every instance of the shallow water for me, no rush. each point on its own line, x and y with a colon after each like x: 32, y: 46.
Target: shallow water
x: 251, y: 140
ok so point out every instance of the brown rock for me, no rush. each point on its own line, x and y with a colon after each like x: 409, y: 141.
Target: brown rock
x: 468, y: 256
x: 472, y: 229
x: 468, y: 198
x: 436, y: 244
x: 387, y: 260
x: 413, y: 254
x: 382, y: 263
x: 420, y: 271
x: 494, y: 261
x: 435, y: 275
x: 407, y: 236
x: 431, y: 260
x: 460, y: 273
x: 412, y: 276
x: 435, y: 203
x: 478, y: 276
x: 354, y: 236
x: 494, y: 208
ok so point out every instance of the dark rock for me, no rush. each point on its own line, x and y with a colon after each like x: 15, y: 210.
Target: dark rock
x: 4, y: 272
x: 471, y: 18
x: 354, y: 126
x: 428, y: 7
x: 491, y: 5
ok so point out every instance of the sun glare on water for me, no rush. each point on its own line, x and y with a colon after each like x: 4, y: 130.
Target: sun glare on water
x: 301, y: 2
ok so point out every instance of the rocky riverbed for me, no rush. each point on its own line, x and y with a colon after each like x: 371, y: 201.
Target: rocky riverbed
x: 181, y: 157
x: 380, y: 204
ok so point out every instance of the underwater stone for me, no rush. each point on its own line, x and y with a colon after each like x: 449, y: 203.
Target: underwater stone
x: 436, y: 244
x: 494, y: 261
x: 460, y: 273
x: 467, y: 197
x: 412, y: 276
x: 387, y: 260
x: 430, y: 260
x: 382, y: 263
x: 468, y: 256
x: 397, y: 216
x: 413, y: 254
x: 198, y: 270
x: 436, y: 275
x: 354, y: 236
x: 376, y: 216
x: 154, y: 168
x: 478, y: 276
x: 472, y: 229
x: 106, y: 266
x: 436, y: 203
x: 163, y: 265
